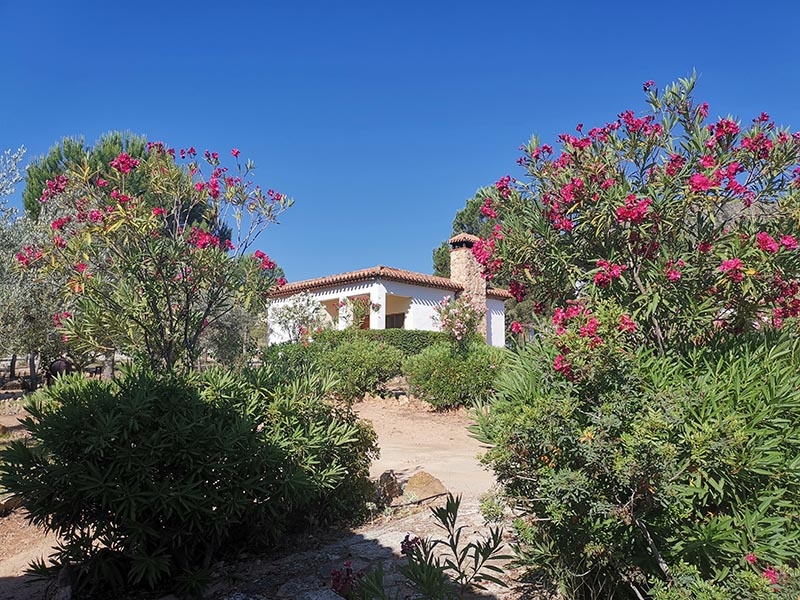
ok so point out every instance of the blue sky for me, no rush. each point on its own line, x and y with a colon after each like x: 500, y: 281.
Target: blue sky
x: 380, y: 118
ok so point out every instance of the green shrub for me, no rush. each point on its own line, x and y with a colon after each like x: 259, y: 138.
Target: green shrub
x: 328, y: 443
x: 289, y: 359
x: 361, y: 366
x: 650, y: 461
x: 147, y: 478
x: 408, y: 341
x: 446, y: 377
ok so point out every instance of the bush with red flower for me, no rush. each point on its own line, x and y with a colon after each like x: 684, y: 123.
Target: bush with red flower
x: 151, y: 262
x: 649, y: 434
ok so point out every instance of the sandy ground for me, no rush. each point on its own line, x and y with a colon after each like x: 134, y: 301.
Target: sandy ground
x: 411, y: 438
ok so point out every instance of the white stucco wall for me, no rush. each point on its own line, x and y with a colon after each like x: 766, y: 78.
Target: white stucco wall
x: 495, y: 322
x: 420, y: 314
x: 422, y: 310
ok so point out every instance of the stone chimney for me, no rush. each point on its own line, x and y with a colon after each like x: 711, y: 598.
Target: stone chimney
x: 465, y: 271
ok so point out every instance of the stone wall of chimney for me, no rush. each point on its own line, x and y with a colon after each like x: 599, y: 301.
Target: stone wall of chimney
x: 466, y: 271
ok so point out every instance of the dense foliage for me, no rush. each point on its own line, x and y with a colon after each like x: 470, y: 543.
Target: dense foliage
x: 146, y: 479
x: 648, y: 437
x: 689, y: 224
x: 408, y: 341
x: 647, y: 461
x: 361, y: 366
x: 153, y: 250
x: 447, y: 376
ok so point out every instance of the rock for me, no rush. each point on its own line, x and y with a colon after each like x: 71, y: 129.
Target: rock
x: 388, y: 487
x: 421, y: 486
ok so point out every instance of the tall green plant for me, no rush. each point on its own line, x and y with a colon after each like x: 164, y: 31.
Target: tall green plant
x: 638, y: 462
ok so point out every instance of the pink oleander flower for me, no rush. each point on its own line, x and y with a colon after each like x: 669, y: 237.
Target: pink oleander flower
x: 95, y: 215
x: 563, y: 366
x: 516, y: 327
x: 81, y: 267
x: 266, y: 261
x: 788, y: 242
x: 751, y: 558
x: 634, y: 211
x: 158, y: 211
x: 676, y: 161
x: 608, y: 273
x: 648, y: 85
x: 733, y: 268
x: 60, y: 223
x: 766, y: 242
x: 700, y: 183
x: 124, y: 163
x: 517, y: 290
x: 704, y: 247
x: 626, y: 324
x: 235, y: 153
x: 771, y: 575
x: 101, y: 182
x: 673, y: 270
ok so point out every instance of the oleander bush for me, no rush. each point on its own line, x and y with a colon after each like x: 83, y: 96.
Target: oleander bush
x: 447, y: 376
x: 640, y: 466
x: 147, y: 478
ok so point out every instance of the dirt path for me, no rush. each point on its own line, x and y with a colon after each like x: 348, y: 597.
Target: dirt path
x: 411, y: 437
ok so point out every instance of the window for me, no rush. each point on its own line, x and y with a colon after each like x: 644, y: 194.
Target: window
x: 396, y: 321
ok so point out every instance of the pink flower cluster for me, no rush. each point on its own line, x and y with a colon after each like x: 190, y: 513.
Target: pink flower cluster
x: 53, y: 187
x: 626, y: 324
x: 643, y: 125
x: 200, y: 239
x: 517, y: 290
x: 733, y: 269
x: 487, y: 209
x: 483, y: 251
x: 60, y: 223
x: 608, y: 272
x: 266, y: 262
x: 503, y: 186
x: 60, y: 318
x: 672, y: 270
x: 28, y: 255
x: 124, y: 163
x: 634, y: 211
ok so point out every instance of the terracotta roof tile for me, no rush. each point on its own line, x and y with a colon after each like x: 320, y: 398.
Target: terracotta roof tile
x: 379, y: 272
x: 463, y: 238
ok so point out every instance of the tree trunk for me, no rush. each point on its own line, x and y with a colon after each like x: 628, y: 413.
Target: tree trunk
x: 33, y: 377
x: 12, y: 367
x: 108, y: 365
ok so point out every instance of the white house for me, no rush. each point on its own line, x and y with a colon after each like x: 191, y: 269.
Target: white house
x: 404, y: 299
